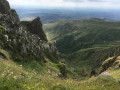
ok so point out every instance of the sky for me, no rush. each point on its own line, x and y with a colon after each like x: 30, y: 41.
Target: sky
x: 67, y: 3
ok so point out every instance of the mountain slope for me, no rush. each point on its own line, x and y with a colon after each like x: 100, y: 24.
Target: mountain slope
x: 29, y: 62
x: 19, y: 76
x: 85, y: 43
x: 83, y: 33
x: 25, y: 46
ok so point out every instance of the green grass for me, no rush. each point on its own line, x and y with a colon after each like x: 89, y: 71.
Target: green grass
x: 14, y: 76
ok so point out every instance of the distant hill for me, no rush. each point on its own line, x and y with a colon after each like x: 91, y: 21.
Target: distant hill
x: 86, y: 33
x: 50, y: 14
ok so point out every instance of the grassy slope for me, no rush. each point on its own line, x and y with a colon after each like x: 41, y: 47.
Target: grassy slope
x: 85, y: 43
x: 15, y: 76
x: 35, y: 76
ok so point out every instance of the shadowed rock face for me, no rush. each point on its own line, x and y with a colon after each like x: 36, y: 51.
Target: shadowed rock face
x: 35, y: 27
x: 4, y: 6
x: 14, y: 17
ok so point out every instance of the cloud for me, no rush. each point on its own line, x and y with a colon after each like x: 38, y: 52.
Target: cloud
x: 91, y: 1
x: 73, y: 0
x: 67, y: 3
x: 36, y: 2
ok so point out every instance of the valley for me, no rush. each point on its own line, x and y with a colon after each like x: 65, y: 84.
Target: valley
x: 85, y: 43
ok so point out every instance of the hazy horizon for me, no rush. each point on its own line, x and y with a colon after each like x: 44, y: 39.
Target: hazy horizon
x: 51, y: 14
x: 50, y: 10
x: 66, y: 3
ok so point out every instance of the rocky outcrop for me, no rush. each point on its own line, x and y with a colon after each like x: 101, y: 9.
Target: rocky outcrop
x: 108, y: 63
x: 14, y: 17
x: 112, y: 62
x: 8, y: 17
x: 35, y: 27
x: 63, y: 70
x: 4, y: 7
x: 28, y: 43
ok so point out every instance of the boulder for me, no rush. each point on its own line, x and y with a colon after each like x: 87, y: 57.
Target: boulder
x: 104, y: 74
x: 105, y: 77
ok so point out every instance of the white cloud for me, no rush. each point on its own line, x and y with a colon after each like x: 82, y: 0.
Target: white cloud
x: 68, y: 3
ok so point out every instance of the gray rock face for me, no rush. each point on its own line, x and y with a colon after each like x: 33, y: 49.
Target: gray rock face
x: 35, y: 27
x: 104, y: 75
x: 4, y: 7
x: 17, y: 39
x: 7, y: 14
x: 14, y: 17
